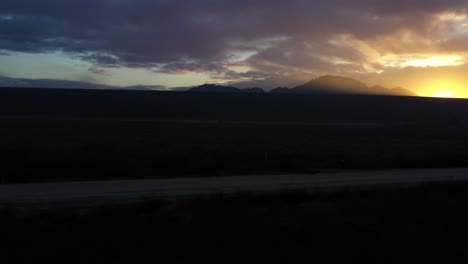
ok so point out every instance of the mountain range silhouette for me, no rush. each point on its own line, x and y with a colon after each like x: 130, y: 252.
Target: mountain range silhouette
x: 324, y: 85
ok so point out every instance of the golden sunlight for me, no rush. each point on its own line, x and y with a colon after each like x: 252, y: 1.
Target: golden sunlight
x: 445, y: 94
x: 422, y: 60
x: 435, y: 61
x: 445, y: 90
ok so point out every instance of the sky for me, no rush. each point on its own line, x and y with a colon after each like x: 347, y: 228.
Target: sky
x: 421, y: 45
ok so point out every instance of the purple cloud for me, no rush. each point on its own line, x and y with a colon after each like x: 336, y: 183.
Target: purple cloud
x: 271, y: 37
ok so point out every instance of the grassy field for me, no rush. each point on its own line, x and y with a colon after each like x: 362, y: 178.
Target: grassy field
x: 63, y: 151
x: 64, y: 135
x: 414, y: 225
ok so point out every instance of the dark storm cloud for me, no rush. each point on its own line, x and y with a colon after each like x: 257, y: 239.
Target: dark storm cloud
x: 182, y: 67
x: 102, y: 59
x: 176, y: 36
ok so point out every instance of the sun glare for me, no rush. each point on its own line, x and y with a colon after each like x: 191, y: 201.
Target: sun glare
x: 444, y: 90
x: 445, y: 94
x: 436, y: 61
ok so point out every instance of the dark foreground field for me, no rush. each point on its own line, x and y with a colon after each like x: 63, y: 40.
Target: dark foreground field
x: 65, y: 135
x: 34, y: 151
x: 413, y: 225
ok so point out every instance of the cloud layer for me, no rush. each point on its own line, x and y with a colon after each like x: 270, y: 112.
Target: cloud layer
x: 263, y: 41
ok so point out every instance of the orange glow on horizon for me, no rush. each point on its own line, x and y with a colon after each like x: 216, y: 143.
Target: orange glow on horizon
x: 445, y: 94
x: 445, y: 89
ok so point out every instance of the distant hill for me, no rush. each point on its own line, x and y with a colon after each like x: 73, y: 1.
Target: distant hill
x: 147, y: 87
x: 333, y: 85
x: 280, y: 90
x: 343, y: 85
x: 51, y: 83
x: 214, y: 88
x: 7, y: 82
x: 253, y: 90
x: 325, y: 85
x: 403, y: 91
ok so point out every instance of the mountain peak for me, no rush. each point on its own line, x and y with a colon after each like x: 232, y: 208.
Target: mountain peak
x: 403, y: 91
x: 327, y: 84
x: 330, y: 84
x: 214, y: 88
